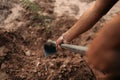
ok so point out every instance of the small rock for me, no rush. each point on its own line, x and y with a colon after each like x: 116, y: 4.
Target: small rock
x: 3, y: 50
x: 28, y: 53
x: 3, y: 66
x: 33, y: 53
x: 63, y: 66
x: 37, y: 63
x: 51, y: 64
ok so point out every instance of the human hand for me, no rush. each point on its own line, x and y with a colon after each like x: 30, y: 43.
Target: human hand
x: 59, y: 41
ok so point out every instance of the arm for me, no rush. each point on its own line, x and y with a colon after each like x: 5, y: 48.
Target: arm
x: 89, y: 18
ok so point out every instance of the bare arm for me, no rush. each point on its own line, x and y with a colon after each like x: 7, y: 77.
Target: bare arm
x: 89, y: 18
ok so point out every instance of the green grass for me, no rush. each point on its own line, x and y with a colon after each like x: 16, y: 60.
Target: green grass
x: 37, y: 19
x: 31, y: 6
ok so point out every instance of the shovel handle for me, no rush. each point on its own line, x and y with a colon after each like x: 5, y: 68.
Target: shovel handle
x: 73, y: 48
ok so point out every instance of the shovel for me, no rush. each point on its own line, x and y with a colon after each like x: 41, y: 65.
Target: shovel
x: 50, y: 48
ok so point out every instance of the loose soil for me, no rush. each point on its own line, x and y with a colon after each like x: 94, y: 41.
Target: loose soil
x: 22, y: 39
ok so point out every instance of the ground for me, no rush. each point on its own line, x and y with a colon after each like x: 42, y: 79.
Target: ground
x: 24, y: 29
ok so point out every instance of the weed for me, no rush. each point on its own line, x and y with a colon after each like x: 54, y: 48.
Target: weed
x: 31, y: 6
x: 37, y: 17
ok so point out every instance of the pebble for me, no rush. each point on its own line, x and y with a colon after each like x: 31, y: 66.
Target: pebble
x: 3, y: 66
x: 3, y: 50
x: 28, y: 53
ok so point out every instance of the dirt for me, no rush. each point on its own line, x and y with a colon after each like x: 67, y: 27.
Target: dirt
x: 77, y: 7
x: 22, y: 58
x: 23, y: 35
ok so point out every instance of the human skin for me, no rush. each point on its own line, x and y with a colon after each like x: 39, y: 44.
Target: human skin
x: 87, y: 20
x: 102, y: 52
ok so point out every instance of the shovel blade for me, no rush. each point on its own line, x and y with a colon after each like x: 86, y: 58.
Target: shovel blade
x: 49, y: 49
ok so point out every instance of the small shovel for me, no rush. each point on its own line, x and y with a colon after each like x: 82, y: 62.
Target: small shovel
x: 50, y: 48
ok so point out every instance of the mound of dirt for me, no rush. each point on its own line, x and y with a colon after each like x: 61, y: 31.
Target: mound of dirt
x: 69, y: 68
x: 22, y: 58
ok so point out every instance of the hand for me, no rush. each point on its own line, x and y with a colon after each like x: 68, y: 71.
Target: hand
x: 59, y: 41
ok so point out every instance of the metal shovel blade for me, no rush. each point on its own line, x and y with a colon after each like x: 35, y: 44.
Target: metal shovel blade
x: 49, y: 49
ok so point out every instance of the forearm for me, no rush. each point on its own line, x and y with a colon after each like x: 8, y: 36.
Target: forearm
x: 88, y: 19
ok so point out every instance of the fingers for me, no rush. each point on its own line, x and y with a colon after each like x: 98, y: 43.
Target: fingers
x: 59, y: 42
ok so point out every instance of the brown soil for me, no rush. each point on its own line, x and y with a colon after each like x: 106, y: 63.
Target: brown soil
x: 22, y: 58
x: 21, y: 50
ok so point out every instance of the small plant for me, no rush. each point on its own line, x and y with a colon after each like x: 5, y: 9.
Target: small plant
x: 41, y: 20
x: 31, y: 6
x: 36, y: 16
